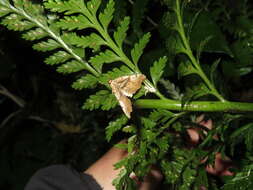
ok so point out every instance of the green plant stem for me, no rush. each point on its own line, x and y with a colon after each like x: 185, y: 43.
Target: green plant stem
x: 54, y: 36
x: 189, y: 53
x: 205, y: 106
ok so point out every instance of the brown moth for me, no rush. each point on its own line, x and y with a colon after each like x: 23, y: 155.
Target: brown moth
x: 124, y: 87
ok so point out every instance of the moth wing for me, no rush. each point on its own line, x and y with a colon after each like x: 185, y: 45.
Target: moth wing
x: 133, y: 84
x: 126, y: 105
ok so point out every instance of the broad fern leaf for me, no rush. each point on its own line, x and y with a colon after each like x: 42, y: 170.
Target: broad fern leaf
x: 93, y: 41
x: 93, y: 6
x: 115, y: 126
x: 104, y: 57
x: 120, y: 34
x: 71, y: 67
x: 67, y: 7
x: 157, y: 69
x: 87, y: 81
x: 58, y: 57
x: 74, y: 22
x: 139, y: 47
x: 46, y: 46
x: 103, y: 99
x: 106, y: 16
x: 35, y: 34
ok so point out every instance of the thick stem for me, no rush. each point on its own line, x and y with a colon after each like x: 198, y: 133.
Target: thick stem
x: 206, y: 106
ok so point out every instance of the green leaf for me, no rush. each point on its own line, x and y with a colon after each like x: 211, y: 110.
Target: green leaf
x: 103, y: 99
x: 104, y: 57
x: 4, y: 11
x: 157, y: 69
x: 161, y: 115
x: 46, y: 46
x: 185, y: 68
x: 115, y: 73
x: 68, y: 7
x: 115, y: 126
x: 93, y: 6
x: 35, y: 34
x: 212, y: 70
x: 172, y: 90
x: 129, y: 129
x: 107, y: 15
x: 139, y: 47
x: 16, y: 22
x: 58, y: 57
x: 74, y: 22
x: 120, y: 34
x: 87, y: 81
x: 202, y: 45
x: 71, y: 67
x: 174, y: 45
x: 147, y: 123
x: 205, y: 27
x: 243, y: 180
x: 93, y: 41
x: 138, y: 14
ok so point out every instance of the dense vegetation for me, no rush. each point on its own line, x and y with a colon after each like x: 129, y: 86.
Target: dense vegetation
x: 197, y: 57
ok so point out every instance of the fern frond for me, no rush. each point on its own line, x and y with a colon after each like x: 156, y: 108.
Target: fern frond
x: 104, y: 57
x: 74, y: 22
x: 120, y: 34
x: 115, y: 126
x: 106, y: 16
x: 103, y: 99
x: 87, y: 81
x: 71, y: 67
x: 58, y: 57
x: 137, y: 51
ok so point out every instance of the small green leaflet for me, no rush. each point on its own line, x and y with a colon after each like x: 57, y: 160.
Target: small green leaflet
x: 120, y: 34
x: 93, y: 41
x: 93, y: 6
x: 87, y: 81
x: 106, y: 17
x: 58, y: 57
x: 115, y: 126
x: 4, y: 11
x: 68, y: 7
x: 104, y: 57
x: 16, y: 22
x: 35, y: 34
x: 186, y: 68
x: 103, y: 99
x: 115, y: 73
x: 157, y: 69
x: 46, y: 46
x: 137, y: 51
x: 74, y: 22
x: 71, y: 67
